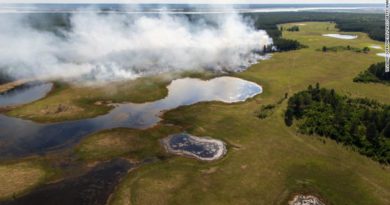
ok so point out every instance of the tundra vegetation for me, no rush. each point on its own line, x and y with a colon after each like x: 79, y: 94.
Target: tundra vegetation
x: 267, y: 162
x: 17, y: 178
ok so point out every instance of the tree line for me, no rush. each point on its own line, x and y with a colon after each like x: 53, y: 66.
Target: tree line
x: 363, y: 124
x: 375, y: 73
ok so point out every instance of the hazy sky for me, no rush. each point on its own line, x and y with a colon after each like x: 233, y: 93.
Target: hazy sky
x: 194, y: 1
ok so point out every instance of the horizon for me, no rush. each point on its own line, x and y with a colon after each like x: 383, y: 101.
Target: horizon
x: 366, y: 3
x: 210, y: 2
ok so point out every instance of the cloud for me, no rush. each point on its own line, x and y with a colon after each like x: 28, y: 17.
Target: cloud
x: 115, y: 46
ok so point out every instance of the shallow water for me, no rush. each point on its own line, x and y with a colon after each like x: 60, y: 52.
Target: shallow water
x: 31, y: 137
x: 201, y: 148
x: 376, y: 47
x: 25, y: 94
x: 341, y: 36
x: 381, y: 54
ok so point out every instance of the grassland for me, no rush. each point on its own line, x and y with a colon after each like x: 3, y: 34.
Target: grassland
x: 268, y: 162
x: 18, y: 178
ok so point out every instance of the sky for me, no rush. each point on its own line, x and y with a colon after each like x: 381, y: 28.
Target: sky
x: 197, y: 1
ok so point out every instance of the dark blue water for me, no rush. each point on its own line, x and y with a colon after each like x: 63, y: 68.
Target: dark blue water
x: 25, y: 94
x: 22, y: 137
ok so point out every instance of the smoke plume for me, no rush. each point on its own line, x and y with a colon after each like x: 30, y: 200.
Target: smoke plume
x: 104, y: 47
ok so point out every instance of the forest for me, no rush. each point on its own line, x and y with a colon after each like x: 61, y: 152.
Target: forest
x: 362, y: 124
x: 375, y: 73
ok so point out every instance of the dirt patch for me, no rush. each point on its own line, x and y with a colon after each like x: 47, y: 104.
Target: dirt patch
x: 301, y: 199
x: 107, y: 141
x: 61, y: 109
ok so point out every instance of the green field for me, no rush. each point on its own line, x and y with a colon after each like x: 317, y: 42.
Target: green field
x: 266, y: 162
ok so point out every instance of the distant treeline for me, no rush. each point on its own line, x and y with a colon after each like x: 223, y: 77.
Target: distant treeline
x: 361, y: 123
x: 291, y: 29
x: 344, y: 48
x: 4, y: 78
x: 375, y: 73
x: 283, y: 44
x: 372, y: 24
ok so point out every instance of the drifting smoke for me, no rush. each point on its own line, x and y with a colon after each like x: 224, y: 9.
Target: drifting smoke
x: 112, y: 46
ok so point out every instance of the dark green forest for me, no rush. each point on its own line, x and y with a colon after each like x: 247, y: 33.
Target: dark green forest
x: 283, y: 44
x: 292, y: 29
x: 375, y: 73
x: 363, y: 124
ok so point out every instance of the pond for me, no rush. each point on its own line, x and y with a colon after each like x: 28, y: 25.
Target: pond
x: 26, y: 93
x: 32, y: 137
x: 341, y: 36
x: 205, y: 149
x: 381, y: 54
x: 376, y: 47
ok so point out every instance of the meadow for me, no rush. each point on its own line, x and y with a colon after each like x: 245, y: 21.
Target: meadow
x: 267, y: 162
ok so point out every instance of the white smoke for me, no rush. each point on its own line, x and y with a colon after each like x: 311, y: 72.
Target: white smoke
x: 114, y: 46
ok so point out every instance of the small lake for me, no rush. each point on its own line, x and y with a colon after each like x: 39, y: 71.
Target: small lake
x: 376, y: 47
x: 381, y: 54
x: 341, y: 36
x: 26, y: 93
x: 31, y: 137
x: 204, y: 148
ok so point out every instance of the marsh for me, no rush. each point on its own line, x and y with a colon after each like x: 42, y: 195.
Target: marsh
x: 40, y: 137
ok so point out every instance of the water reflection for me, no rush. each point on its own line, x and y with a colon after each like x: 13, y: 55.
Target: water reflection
x: 31, y: 137
x: 25, y: 94
x: 341, y: 36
